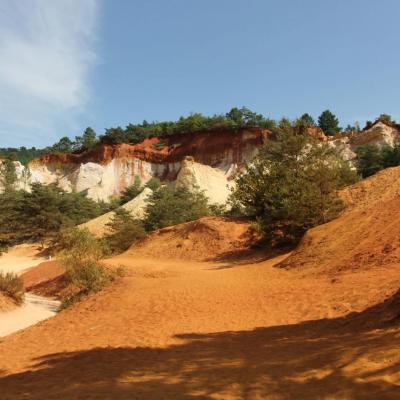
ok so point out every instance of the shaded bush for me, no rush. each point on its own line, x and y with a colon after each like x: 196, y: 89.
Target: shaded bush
x: 372, y: 159
x: 12, y: 286
x: 125, y: 231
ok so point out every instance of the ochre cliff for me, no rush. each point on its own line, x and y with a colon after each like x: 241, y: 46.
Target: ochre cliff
x: 106, y: 170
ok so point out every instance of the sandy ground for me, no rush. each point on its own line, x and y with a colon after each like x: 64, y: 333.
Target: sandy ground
x: 201, y: 330
x: 20, y: 258
x: 35, y: 308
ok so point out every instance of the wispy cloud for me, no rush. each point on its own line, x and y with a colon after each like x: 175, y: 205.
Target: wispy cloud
x: 46, y: 53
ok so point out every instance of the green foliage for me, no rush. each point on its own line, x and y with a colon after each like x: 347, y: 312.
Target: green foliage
x: 170, y: 206
x: 64, y: 145
x: 12, y: 286
x: 307, y: 120
x: 328, y: 123
x: 132, y: 191
x: 153, y: 184
x: 22, y: 154
x: 86, y: 141
x: 353, y: 128
x: 79, y: 251
x: 125, y: 230
x: 369, y: 160
x: 372, y: 159
x: 291, y: 186
x: 234, y: 120
x: 386, y: 118
x: 8, y: 175
x: 86, y: 247
x: 42, y: 213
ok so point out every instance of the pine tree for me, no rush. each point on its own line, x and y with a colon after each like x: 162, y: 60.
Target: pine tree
x: 328, y: 123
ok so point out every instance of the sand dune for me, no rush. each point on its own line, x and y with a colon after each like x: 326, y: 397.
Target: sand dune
x: 188, y: 329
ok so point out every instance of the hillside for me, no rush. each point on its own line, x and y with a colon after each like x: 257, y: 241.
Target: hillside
x: 384, y: 185
x: 357, y: 240
x: 205, y: 239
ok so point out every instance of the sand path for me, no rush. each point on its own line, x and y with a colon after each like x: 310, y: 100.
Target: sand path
x: 190, y: 330
x: 35, y: 308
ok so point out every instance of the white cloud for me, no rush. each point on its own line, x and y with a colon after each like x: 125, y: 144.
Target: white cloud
x: 46, y: 53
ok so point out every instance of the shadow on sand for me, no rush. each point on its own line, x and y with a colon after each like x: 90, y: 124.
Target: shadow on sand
x: 350, y: 358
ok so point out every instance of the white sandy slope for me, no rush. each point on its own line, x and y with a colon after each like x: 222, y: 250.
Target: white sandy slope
x: 98, y: 226
x: 35, y: 308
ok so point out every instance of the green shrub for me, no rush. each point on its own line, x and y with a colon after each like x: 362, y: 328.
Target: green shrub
x: 132, y: 191
x: 170, y: 206
x: 12, y: 286
x: 80, y: 252
x: 89, y: 277
x: 125, y: 231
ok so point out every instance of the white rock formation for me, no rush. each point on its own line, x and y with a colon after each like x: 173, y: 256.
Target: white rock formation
x: 213, y: 181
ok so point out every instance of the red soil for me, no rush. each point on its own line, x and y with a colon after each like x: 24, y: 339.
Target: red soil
x: 208, y: 238
x: 205, y: 147
x: 46, y: 279
x: 367, y: 238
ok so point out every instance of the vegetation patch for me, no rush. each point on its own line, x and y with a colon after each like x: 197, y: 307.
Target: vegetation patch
x: 12, y: 286
x: 80, y: 252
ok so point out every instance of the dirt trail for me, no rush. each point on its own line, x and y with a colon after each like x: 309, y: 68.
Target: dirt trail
x: 35, y: 308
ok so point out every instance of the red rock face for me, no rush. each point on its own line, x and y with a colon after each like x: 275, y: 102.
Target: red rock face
x: 210, y: 148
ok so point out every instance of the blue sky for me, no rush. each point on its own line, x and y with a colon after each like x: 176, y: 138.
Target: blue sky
x: 69, y: 64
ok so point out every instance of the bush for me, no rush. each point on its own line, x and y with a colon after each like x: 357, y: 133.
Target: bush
x: 292, y: 185
x: 125, y: 231
x: 80, y: 252
x: 372, y: 159
x: 89, y: 277
x: 170, y: 206
x: 12, y: 286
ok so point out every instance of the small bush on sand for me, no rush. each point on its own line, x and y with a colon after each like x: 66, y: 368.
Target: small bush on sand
x: 80, y: 253
x: 12, y: 286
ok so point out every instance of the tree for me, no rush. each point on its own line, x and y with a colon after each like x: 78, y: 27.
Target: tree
x: 291, y: 186
x: 170, y: 206
x: 125, y: 230
x: 353, y: 128
x: 328, y: 123
x: 132, y: 191
x: 386, y: 118
x: 8, y: 175
x: 41, y: 213
x: 86, y: 141
x: 307, y: 120
x: 369, y: 160
x: 64, y: 145
x: 153, y: 184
